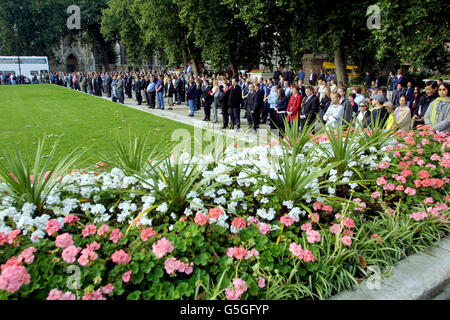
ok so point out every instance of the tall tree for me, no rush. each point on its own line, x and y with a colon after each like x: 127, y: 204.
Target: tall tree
x: 415, y: 31
x: 36, y: 27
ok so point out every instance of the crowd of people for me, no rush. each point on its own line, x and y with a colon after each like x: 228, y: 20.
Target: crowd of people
x: 284, y: 98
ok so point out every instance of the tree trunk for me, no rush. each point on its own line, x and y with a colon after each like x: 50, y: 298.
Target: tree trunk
x: 235, y: 70
x: 105, y: 57
x: 192, y: 57
x: 341, y: 68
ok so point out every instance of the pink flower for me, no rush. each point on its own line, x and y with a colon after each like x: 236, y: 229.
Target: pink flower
x: 423, y: 174
x: 93, y: 246
x: 419, y: 216
x: 264, y: 228
x: 349, y: 223
x: 52, y: 227
x: 261, y: 282
x: 308, y: 256
x: 13, y: 277
x: 287, y: 220
x: 348, y: 233
x: 69, y: 254
x: 327, y: 208
x: 11, y: 237
x: 410, y: 191
x: 215, y: 213
x: 375, y: 195
x: 162, y: 247
x: 103, y: 230
x: 171, y: 265
x: 347, y: 240
x: 115, y: 235
x: 27, y: 255
x: 107, y: 289
x: 63, y: 241
x: 306, y: 226
x: 239, y: 285
x: 126, y: 276
x: 231, y: 294
x: 374, y: 236
x: 251, y: 253
x: 120, y: 257
x: 389, y: 187
x: 312, y: 236
x: 315, y: 216
x: 400, y: 188
x: 253, y: 220
x: 89, y: 230
x: 201, y: 219
x: 147, y: 233
x: 239, y: 223
x: 435, y: 157
x: 335, y: 228
x: 71, y: 218
x: 428, y: 200
x: 317, y: 206
x: 59, y: 295
x: 237, y: 252
x: 295, y: 249
x: 381, y: 181
x: 86, y: 256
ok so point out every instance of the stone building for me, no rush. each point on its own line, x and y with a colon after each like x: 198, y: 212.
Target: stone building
x: 75, y: 57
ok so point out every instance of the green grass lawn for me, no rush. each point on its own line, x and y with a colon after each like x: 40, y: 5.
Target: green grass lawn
x: 29, y: 113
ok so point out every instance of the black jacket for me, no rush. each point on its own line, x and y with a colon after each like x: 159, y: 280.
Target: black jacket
x: 258, y: 103
x: 378, y: 115
x: 235, y: 97
x: 205, y: 95
x: 310, y: 108
x: 282, y: 104
x: 169, y: 89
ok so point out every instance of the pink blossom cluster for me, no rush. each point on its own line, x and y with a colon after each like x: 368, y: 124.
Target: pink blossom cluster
x: 264, y: 228
x: 9, y: 238
x: 171, y: 265
x: 147, y: 233
x: 261, y: 282
x: 120, y: 257
x: 86, y: 256
x: 240, y: 286
x: 115, y: 235
x: 201, y: 219
x: 55, y: 294
x: 70, y: 253
x: 52, y: 227
x: 360, y: 205
x: 13, y: 275
x: 287, y: 220
x: 239, y: 223
x: 71, y: 218
x: 99, y: 294
x: 27, y: 255
x: 302, y: 254
x: 240, y: 252
x: 63, y: 241
x: 162, y: 247
x: 312, y: 236
x: 320, y: 206
x: 89, y: 230
x: 103, y: 230
x: 126, y: 277
x: 216, y: 212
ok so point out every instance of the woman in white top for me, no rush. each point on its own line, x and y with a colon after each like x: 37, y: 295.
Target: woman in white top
x: 322, y: 89
x: 403, y: 114
x: 216, y: 94
x: 335, y: 112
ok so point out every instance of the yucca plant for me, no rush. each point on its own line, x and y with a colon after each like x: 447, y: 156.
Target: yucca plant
x: 375, y: 136
x: 295, y: 138
x: 131, y: 153
x: 33, y: 183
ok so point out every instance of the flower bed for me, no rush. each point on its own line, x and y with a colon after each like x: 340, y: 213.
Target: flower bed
x: 280, y: 221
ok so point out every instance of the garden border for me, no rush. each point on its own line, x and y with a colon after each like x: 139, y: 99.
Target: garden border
x: 422, y: 276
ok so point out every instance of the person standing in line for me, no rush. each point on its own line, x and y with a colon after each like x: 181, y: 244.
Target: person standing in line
x: 348, y: 108
x: 280, y: 110
x: 137, y: 89
x: 160, y: 92
x: 249, y: 103
x: 310, y: 107
x: 293, y: 108
x: 431, y: 90
x: 234, y: 103
x: 190, y: 96
x: 403, y: 115
x: 390, y: 85
x: 379, y: 113
x: 312, y: 78
x: 438, y: 113
x: 121, y: 89
x: 335, y: 112
x: 216, y: 94
x: 178, y: 89
x: 207, y: 99
x: 224, y: 101
x: 169, y: 89
x: 363, y: 115
x: 151, y: 90
x: 272, y: 100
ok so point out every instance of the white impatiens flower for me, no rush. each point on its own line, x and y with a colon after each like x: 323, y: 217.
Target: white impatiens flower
x: 163, y: 207
x: 267, y: 189
x: 188, y: 212
x: 288, y: 204
x: 348, y: 173
x: 98, y: 209
x: 331, y: 190
x: 221, y: 191
x: 345, y: 180
x: 352, y: 164
x: 295, y: 214
x: 353, y: 185
x: 220, y: 200
x: 192, y: 195
x: 264, y: 200
x: 37, y: 235
x: 237, y: 194
x: 333, y: 172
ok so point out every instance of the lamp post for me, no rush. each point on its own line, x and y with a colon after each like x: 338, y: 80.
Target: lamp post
x: 17, y: 48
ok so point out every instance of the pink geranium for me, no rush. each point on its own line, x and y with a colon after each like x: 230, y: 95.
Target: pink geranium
x: 201, y: 219
x: 70, y: 253
x: 261, y: 282
x: 410, y: 191
x: 306, y: 226
x: 52, y: 227
x: 375, y: 195
x: 215, y: 213
x: 12, y: 236
x: 89, y: 230
x: 312, y: 236
x: 239, y: 223
x: 120, y: 257
x: 162, y: 247
x: 126, y: 277
x: 27, y: 255
x: 71, y: 218
x: 347, y: 240
x: 147, y: 233
x: 13, y: 276
x: 63, y: 241
x: 264, y: 228
x: 348, y: 222
x: 287, y: 220
x: 335, y: 228
x: 103, y: 230
x: 115, y: 235
x: 59, y: 295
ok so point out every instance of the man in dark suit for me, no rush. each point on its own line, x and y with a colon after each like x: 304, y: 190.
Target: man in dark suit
x: 285, y: 74
x: 367, y: 79
x: 409, y: 93
x: 179, y: 85
x: 137, y: 89
x: 108, y: 85
x: 207, y: 99
x: 431, y: 89
x: 312, y: 78
x: 234, y: 103
x: 255, y: 107
x: 277, y: 74
x: 310, y: 107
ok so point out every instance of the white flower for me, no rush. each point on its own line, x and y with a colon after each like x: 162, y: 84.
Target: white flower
x: 192, y: 195
x: 333, y: 172
x: 220, y: 200
x: 348, y: 173
x: 173, y: 215
x: 288, y: 204
x: 264, y: 200
x: 267, y: 189
x: 161, y: 185
x: 237, y: 194
x: 171, y: 227
x: 345, y: 180
x: 187, y: 212
x: 331, y: 190
x: 353, y: 185
x: 37, y: 235
x: 352, y: 164
x: 163, y: 207
x: 221, y: 191
x: 294, y: 213
x: 98, y: 209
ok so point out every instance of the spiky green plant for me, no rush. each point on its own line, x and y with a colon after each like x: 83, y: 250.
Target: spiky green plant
x: 32, y: 183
